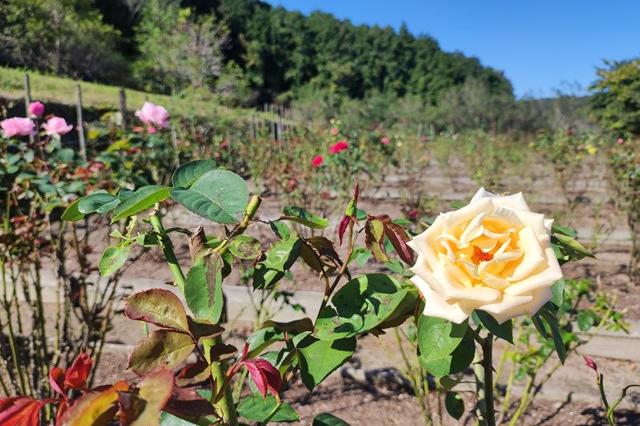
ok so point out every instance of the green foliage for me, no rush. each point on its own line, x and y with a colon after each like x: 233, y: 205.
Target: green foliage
x: 319, y: 358
x: 218, y: 195
x: 203, y: 288
x: 255, y: 407
x: 445, y: 347
x: 177, y: 49
x: 64, y: 37
x: 616, y: 99
x: 363, y: 304
x: 326, y: 419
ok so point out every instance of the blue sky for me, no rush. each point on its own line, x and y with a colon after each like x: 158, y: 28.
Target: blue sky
x: 541, y: 45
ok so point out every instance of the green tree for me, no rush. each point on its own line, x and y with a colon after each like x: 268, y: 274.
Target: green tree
x: 61, y: 36
x: 177, y: 48
x: 616, y: 99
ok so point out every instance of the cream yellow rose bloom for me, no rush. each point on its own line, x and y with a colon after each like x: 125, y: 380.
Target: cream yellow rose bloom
x: 494, y: 255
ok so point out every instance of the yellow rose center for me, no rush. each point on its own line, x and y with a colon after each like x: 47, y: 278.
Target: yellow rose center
x: 483, y: 252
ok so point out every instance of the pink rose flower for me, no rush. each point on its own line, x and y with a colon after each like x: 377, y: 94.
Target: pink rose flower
x: 334, y: 131
x: 36, y: 109
x: 339, y: 147
x: 317, y: 161
x: 385, y: 141
x: 153, y: 115
x: 57, y: 126
x: 620, y: 141
x: 17, y: 126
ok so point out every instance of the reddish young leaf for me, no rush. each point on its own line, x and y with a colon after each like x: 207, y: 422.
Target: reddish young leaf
x: 154, y: 389
x: 159, y: 307
x: 271, y: 373
x: 265, y: 376
x: 193, y: 374
x: 76, y: 376
x: 20, y: 411
x: 589, y: 362
x: 344, y: 223
x: 374, y: 237
x: 95, y: 408
x: 398, y: 237
x: 187, y: 403
x: 56, y: 381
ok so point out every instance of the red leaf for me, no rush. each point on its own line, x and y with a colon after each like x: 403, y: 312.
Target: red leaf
x: 76, y: 376
x: 264, y: 375
x: 20, y: 411
x: 56, y: 380
x: 257, y: 376
x: 343, y: 227
x: 274, y: 381
x: 398, y: 237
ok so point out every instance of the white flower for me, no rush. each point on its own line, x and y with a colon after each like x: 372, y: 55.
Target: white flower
x: 494, y: 255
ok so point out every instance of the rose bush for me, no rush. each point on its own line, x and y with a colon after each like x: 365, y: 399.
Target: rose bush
x: 494, y: 255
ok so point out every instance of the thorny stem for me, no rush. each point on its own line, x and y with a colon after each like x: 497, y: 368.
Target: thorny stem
x: 12, y: 337
x: 225, y: 405
x: 420, y: 394
x: 485, y: 380
x: 329, y: 291
x: 168, y: 251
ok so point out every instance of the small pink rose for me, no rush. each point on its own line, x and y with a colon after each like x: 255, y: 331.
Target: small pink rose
x: 317, y: 161
x: 334, y: 131
x: 339, y: 147
x: 57, y: 126
x: 153, y: 115
x: 17, y: 126
x: 36, y: 109
x: 620, y: 141
x: 385, y: 141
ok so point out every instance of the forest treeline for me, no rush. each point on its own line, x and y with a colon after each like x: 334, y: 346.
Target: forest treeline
x: 248, y: 53
x: 277, y: 53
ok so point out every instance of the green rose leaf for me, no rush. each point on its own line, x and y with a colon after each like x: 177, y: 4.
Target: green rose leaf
x: 551, y: 319
x: 142, y: 199
x: 454, y: 404
x: 503, y: 331
x: 112, y: 259
x: 262, y: 410
x: 72, y: 213
x: 359, y: 306
x: 245, y: 247
x: 218, y: 195
x: 304, y: 217
x: 445, y: 347
x: 99, y: 201
x: 279, y: 258
x: 185, y: 175
x: 203, y: 288
x: 326, y: 419
x: 319, y: 358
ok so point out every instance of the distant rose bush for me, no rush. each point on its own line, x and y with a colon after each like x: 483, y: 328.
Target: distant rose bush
x: 338, y: 147
x: 36, y: 109
x: 494, y: 255
x: 57, y: 126
x: 154, y: 116
x: 17, y: 126
x: 317, y: 161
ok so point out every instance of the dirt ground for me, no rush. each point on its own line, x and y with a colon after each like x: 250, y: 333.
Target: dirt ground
x: 389, y: 404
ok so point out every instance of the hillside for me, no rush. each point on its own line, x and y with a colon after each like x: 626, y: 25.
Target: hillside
x: 61, y: 90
